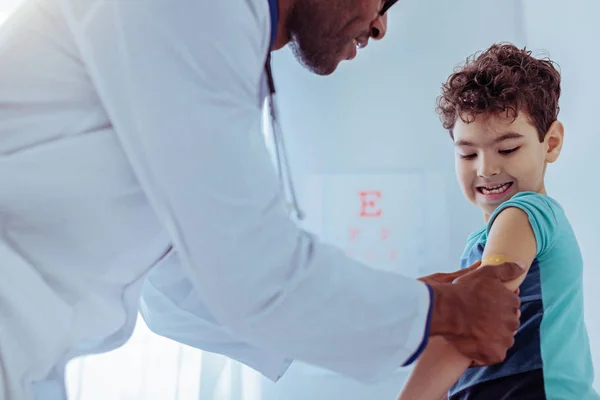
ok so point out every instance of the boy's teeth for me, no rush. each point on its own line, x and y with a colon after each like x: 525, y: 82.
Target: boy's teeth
x: 495, y: 189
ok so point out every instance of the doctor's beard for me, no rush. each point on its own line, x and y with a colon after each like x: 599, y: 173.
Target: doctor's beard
x: 316, y: 35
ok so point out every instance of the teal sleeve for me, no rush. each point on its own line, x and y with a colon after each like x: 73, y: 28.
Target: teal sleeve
x: 541, y: 211
x: 471, y: 241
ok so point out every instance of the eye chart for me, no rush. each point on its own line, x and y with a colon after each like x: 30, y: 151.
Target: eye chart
x: 395, y: 222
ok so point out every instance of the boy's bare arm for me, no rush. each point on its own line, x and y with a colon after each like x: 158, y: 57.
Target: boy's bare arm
x: 511, y: 238
x: 435, y: 371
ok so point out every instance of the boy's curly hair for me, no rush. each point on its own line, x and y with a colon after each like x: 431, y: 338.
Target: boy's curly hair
x: 502, y: 79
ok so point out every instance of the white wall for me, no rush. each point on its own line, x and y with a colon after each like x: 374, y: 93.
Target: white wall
x: 376, y: 114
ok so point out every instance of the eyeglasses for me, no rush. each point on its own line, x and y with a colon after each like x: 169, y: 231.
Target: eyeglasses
x: 387, y: 6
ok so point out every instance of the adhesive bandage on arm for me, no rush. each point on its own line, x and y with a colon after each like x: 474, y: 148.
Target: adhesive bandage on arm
x: 494, y: 259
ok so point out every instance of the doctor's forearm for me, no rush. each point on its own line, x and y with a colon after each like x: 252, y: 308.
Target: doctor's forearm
x: 331, y: 311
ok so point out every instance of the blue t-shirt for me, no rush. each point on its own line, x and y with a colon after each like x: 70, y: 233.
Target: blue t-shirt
x: 552, y: 336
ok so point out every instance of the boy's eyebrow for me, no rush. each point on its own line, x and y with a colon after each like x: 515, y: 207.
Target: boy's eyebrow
x: 501, y: 138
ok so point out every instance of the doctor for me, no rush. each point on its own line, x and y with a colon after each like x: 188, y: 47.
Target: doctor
x: 132, y: 165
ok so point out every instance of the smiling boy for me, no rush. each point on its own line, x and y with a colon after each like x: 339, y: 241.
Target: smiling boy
x: 501, y: 110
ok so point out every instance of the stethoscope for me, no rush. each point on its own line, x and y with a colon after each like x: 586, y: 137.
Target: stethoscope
x: 280, y: 151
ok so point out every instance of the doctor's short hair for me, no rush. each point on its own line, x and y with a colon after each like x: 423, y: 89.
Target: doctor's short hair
x: 502, y: 80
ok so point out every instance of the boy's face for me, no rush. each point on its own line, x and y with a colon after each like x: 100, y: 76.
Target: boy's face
x: 497, y: 157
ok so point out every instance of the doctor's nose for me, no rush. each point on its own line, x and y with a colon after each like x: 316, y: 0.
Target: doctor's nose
x: 379, y: 27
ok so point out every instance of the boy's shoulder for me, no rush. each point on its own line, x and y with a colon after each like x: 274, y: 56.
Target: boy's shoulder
x: 535, y: 199
x: 543, y: 211
x: 536, y: 205
x: 524, y: 200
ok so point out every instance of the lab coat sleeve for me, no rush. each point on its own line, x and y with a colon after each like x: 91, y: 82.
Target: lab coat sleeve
x: 172, y: 308
x: 180, y: 82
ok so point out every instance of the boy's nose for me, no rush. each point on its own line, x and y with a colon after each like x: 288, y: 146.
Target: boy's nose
x: 488, y: 169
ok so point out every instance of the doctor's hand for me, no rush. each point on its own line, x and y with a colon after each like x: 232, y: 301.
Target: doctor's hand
x: 477, y: 313
x: 450, y: 277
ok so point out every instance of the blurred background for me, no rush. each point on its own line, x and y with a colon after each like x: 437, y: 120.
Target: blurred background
x: 366, y: 140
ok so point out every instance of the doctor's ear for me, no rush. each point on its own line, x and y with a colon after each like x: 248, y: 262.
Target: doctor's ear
x: 553, y: 141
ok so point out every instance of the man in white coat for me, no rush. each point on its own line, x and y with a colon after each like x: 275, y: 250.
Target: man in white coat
x: 132, y: 166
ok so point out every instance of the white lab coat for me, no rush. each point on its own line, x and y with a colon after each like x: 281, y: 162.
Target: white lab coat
x: 130, y: 144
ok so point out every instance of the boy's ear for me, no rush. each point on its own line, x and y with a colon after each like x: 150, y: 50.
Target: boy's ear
x: 554, y: 141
